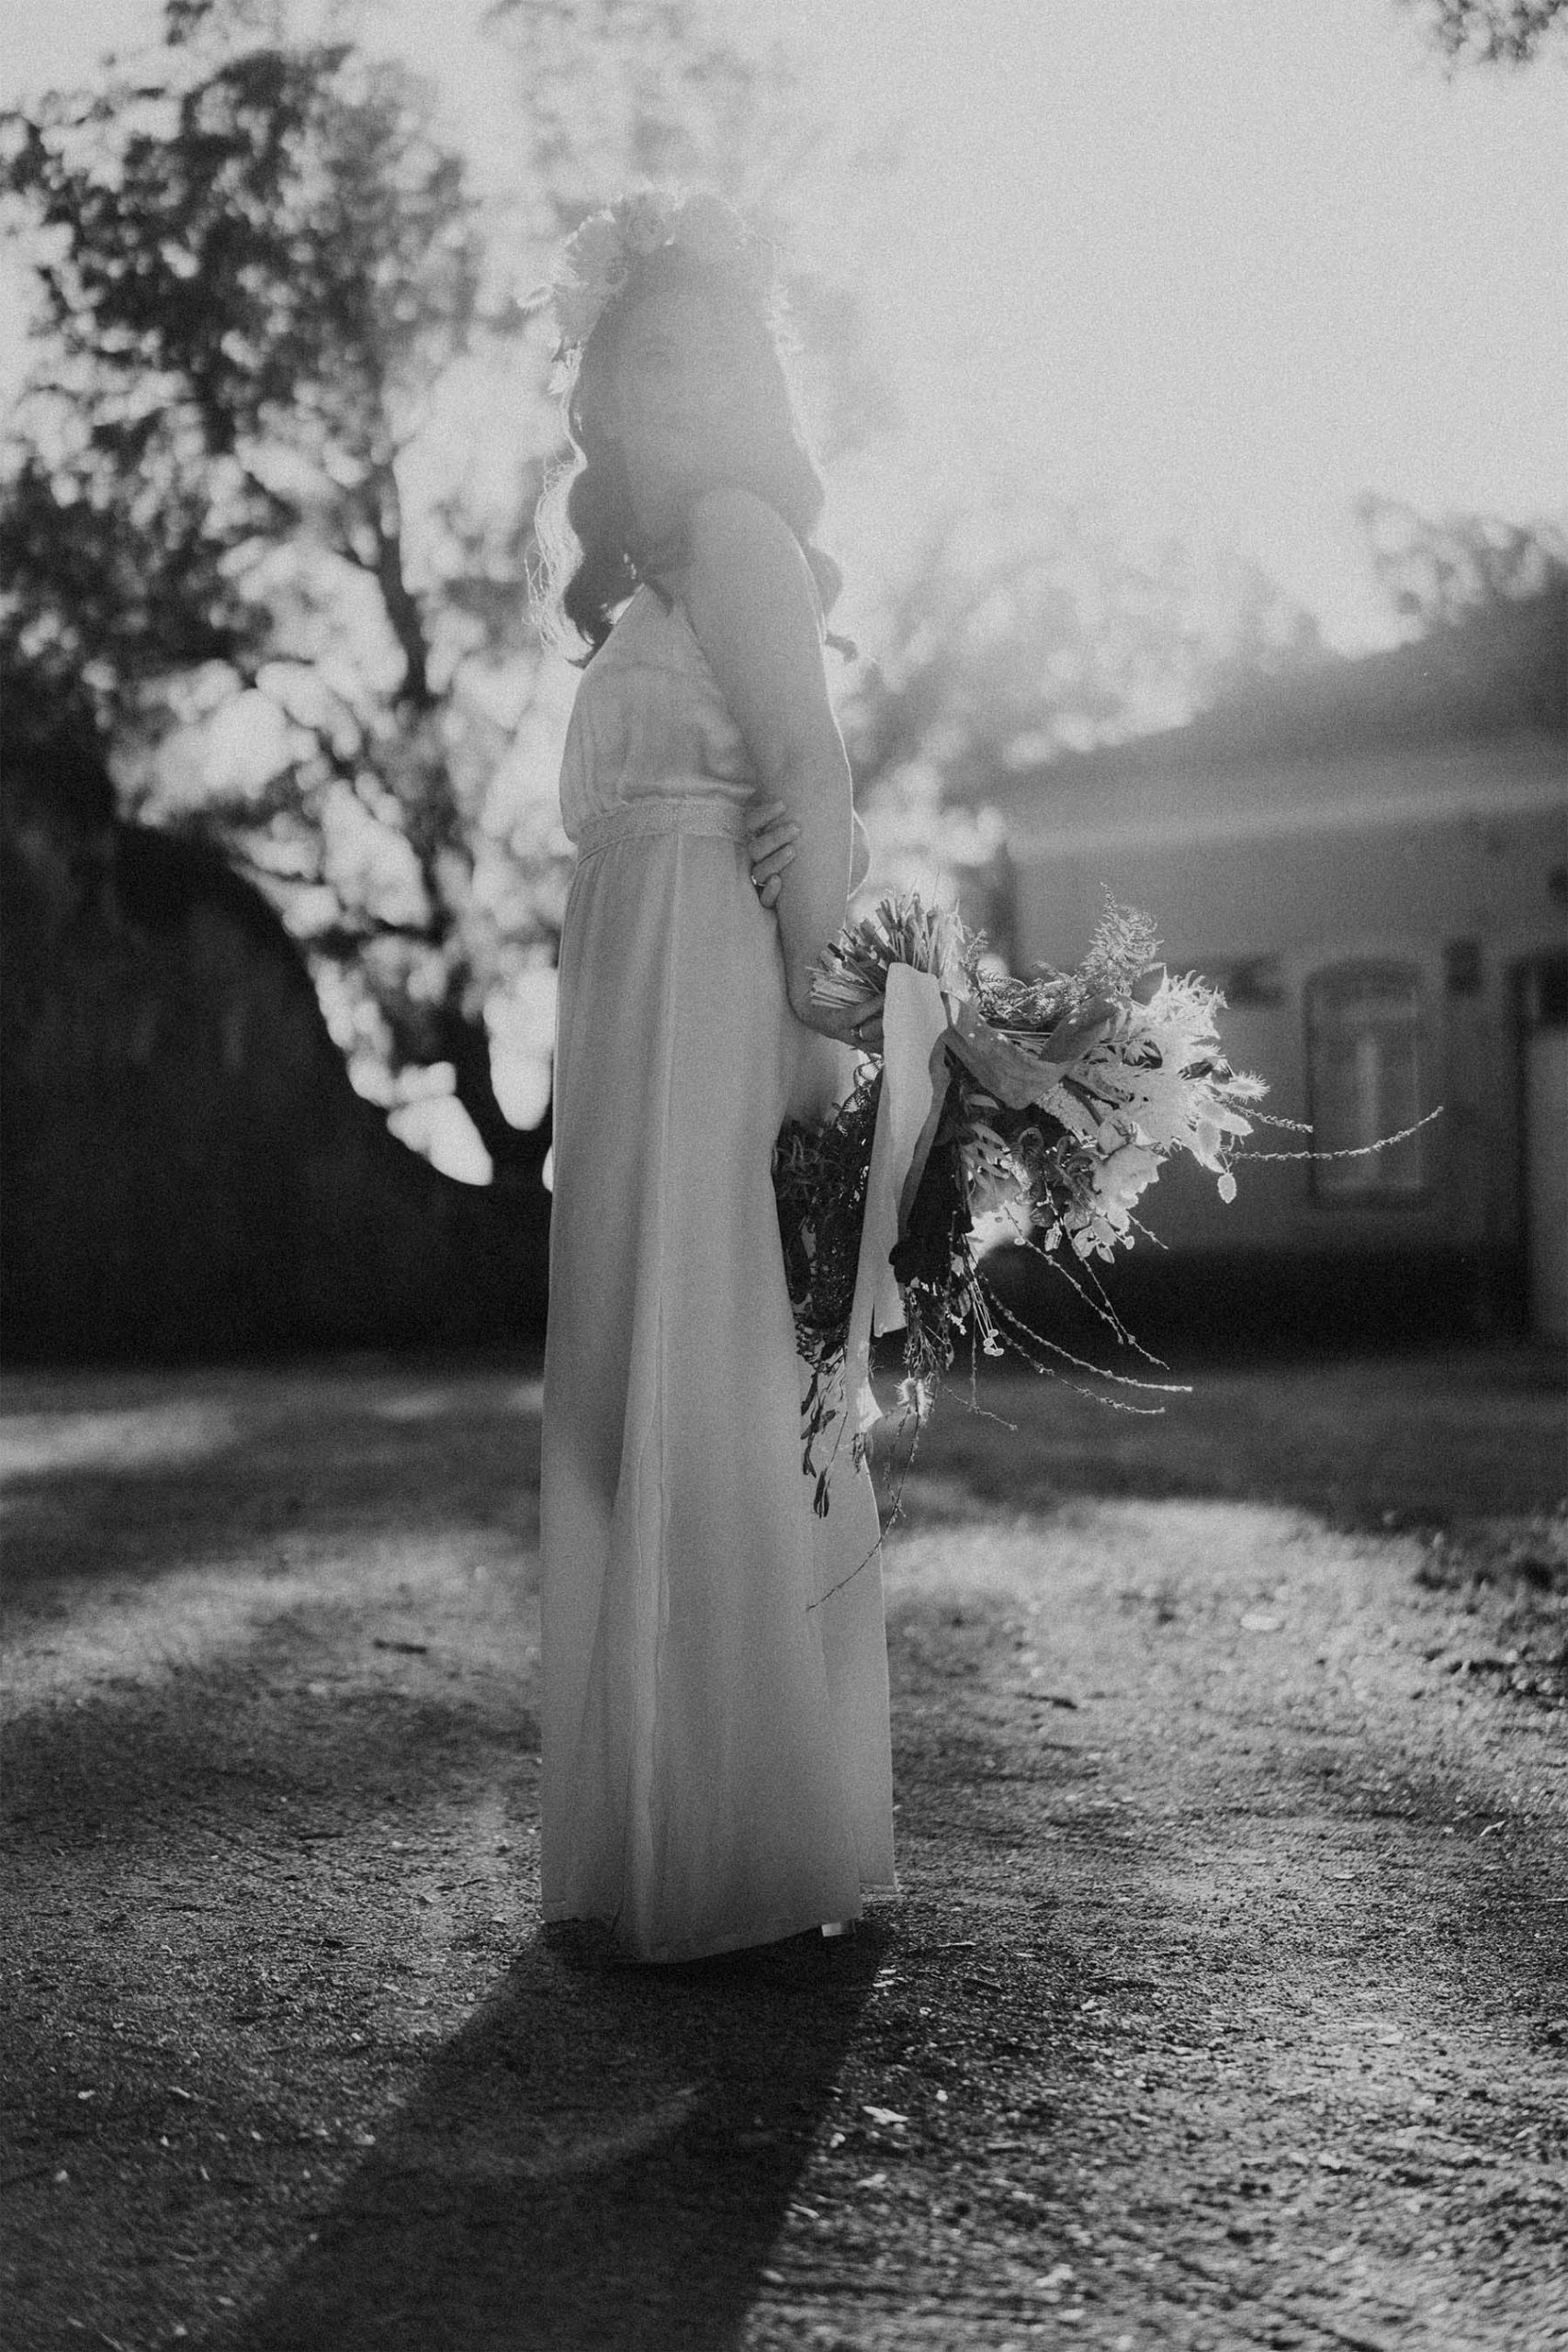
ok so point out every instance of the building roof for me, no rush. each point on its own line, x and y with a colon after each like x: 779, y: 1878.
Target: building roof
x: 1408, y: 722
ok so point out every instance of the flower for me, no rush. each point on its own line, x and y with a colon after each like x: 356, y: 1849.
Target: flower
x: 576, y: 308
x: 597, y: 261
x: 852, y: 975
x: 1128, y: 1172
x: 1054, y: 1104
x: 597, y: 253
x: 707, y: 229
x: 644, y: 220
x: 1119, y: 1180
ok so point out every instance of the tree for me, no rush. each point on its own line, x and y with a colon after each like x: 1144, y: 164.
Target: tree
x: 619, y: 91
x: 259, y: 276
x: 1492, y: 32
x: 1018, y: 631
x: 273, y: 498
x: 1023, y: 629
x: 1439, y: 570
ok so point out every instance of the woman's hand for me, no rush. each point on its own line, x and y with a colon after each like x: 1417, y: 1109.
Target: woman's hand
x: 863, y: 1031
x: 770, y: 836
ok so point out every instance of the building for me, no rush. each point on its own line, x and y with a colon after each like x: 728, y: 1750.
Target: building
x: 1370, y: 857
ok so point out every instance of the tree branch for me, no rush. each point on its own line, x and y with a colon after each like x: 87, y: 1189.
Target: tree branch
x: 517, y: 1153
x: 403, y: 612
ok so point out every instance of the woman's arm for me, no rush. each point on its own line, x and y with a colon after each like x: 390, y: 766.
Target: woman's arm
x: 753, y: 607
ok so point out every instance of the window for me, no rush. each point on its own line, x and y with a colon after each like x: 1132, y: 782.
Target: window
x: 1364, y: 1059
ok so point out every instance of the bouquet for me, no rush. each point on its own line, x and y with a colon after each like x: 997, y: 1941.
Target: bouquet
x: 1045, y: 1107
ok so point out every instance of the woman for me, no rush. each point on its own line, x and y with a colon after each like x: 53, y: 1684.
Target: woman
x: 715, y: 1751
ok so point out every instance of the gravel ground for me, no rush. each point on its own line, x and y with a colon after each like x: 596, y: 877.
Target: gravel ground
x: 1225, y: 2003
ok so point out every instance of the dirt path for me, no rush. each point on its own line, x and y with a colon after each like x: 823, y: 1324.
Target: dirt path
x: 1225, y: 2004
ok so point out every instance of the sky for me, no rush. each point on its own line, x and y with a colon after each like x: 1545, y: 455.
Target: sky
x: 1218, y: 264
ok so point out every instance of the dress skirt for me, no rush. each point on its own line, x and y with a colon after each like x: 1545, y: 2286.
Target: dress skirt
x: 715, y: 1766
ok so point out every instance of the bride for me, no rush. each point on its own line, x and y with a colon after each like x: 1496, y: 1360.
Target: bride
x: 716, y: 1768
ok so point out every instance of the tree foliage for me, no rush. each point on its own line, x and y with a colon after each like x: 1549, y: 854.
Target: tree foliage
x: 620, y: 91
x: 1026, y: 629
x: 258, y: 274
x: 1492, y: 32
x: 1014, y: 632
x: 1438, y: 569
x: 272, y: 496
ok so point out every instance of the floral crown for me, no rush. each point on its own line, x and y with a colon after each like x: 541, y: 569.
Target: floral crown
x: 598, y: 260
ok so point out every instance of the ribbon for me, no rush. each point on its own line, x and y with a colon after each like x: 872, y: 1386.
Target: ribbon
x: 918, y: 1031
x: 1020, y: 1076
x: 914, y: 1025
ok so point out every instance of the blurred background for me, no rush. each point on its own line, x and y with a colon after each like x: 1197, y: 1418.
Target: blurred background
x: 1189, y: 383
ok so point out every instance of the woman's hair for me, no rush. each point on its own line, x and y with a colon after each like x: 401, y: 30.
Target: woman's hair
x: 591, y: 557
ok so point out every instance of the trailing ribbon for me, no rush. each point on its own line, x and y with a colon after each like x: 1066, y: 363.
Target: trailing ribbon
x: 914, y: 1025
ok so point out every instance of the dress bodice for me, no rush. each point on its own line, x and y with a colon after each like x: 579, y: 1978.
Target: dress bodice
x: 650, y: 722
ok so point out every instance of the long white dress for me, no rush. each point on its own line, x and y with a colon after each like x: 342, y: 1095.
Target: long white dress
x: 716, y: 1768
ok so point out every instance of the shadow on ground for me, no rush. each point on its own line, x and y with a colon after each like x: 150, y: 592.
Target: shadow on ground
x: 276, y: 1845
x: 233, y: 1751
x: 1420, y: 1439
x: 603, y: 2158
x: 140, y: 1474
